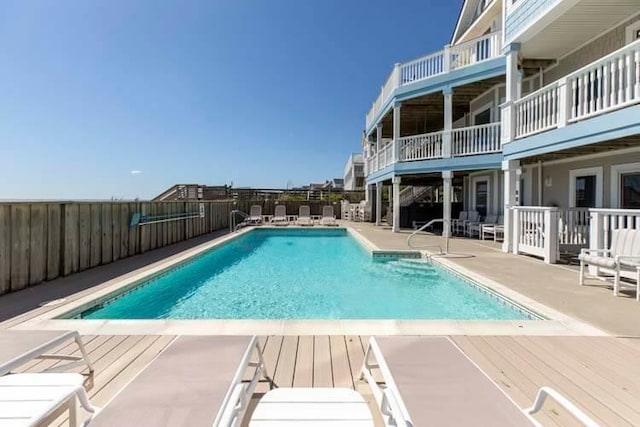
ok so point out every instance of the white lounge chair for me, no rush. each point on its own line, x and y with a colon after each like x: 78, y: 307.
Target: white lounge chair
x: 304, y: 216
x: 328, y: 218
x: 474, y: 228
x: 494, y: 230
x: 430, y: 381
x: 280, y: 216
x: 255, y: 215
x: 195, y: 381
x: 622, y: 259
x: 30, y: 398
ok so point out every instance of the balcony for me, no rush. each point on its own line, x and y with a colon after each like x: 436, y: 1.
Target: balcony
x: 608, y: 84
x: 468, y: 141
x: 450, y: 58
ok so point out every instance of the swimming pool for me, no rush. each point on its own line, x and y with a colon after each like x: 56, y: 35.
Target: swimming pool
x: 304, y: 274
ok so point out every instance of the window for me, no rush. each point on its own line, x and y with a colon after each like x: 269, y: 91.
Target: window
x: 630, y: 190
x: 585, y: 188
x: 586, y: 191
x: 482, y: 197
x: 625, y: 186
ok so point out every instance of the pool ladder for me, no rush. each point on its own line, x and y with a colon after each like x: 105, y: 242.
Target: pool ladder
x: 233, y: 225
x: 427, y: 225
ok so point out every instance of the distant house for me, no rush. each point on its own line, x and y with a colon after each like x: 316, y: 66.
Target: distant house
x: 354, y: 173
x: 194, y: 192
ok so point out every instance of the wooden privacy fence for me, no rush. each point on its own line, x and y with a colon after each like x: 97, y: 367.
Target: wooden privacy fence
x: 44, y: 240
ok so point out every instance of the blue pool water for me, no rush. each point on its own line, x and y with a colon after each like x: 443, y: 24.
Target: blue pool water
x: 303, y: 274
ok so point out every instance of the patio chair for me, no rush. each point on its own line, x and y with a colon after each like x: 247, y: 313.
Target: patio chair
x: 430, y: 381
x: 255, y: 215
x: 328, y: 218
x: 474, y: 228
x: 304, y: 216
x: 54, y: 390
x: 461, y: 226
x: 280, y: 216
x: 622, y: 259
x: 461, y: 218
x: 195, y: 381
x: 494, y: 230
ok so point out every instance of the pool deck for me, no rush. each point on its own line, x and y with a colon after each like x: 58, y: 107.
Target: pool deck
x: 598, y: 373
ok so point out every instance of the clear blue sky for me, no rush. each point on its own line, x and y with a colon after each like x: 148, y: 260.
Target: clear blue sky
x: 258, y: 92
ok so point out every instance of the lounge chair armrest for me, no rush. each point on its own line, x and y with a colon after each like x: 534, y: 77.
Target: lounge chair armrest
x: 595, y: 251
x: 545, y: 392
x: 390, y: 407
x: 628, y: 260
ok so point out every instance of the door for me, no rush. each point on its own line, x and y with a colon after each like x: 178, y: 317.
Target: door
x: 482, y: 197
x: 585, y: 188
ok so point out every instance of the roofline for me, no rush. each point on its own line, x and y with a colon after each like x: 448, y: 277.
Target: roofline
x: 455, y: 30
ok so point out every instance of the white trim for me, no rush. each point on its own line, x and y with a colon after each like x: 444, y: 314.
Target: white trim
x: 593, y: 156
x: 474, y: 181
x: 510, y: 7
x: 616, y: 172
x: 495, y: 206
x: 631, y: 30
x: 482, y: 109
x: 576, y: 173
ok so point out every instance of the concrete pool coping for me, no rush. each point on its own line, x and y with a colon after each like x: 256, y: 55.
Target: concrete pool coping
x: 556, y: 323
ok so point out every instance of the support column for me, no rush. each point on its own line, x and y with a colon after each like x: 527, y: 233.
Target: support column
x: 448, y: 122
x: 447, y: 178
x: 512, y: 53
x: 378, y: 203
x: 396, y: 132
x: 511, y: 198
x: 378, y: 144
x: 396, y: 203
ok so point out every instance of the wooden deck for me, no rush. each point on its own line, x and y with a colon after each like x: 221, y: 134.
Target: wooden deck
x: 598, y: 374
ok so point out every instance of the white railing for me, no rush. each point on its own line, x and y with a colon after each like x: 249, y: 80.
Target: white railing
x: 604, y: 221
x: 450, y: 58
x: 607, y: 84
x: 573, y: 227
x: 472, y: 140
x: 535, y: 232
x: 388, y: 154
x: 537, y: 112
x: 477, y: 50
x: 422, y: 68
x: 421, y: 147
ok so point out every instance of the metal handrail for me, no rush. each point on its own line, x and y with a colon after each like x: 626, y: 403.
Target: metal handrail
x: 232, y: 219
x: 428, y: 224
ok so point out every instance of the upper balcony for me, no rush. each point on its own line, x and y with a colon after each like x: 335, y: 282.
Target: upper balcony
x: 608, y: 84
x: 449, y: 59
x: 466, y: 141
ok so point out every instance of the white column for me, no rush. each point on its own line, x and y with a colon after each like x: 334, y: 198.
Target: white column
x: 378, y: 203
x: 396, y: 131
x: 511, y: 198
x: 447, y: 178
x: 396, y: 203
x: 378, y: 144
x: 512, y: 52
x: 448, y: 122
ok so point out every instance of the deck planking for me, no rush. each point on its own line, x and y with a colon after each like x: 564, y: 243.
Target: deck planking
x: 599, y: 374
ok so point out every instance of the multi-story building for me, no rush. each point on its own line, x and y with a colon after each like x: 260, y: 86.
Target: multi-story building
x: 532, y: 112
x: 354, y: 173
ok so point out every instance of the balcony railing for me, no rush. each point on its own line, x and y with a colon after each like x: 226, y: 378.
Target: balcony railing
x: 608, y: 84
x: 473, y: 140
x: 450, y: 58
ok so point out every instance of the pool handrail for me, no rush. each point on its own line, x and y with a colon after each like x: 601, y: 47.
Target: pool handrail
x: 233, y: 226
x: 429, y: 224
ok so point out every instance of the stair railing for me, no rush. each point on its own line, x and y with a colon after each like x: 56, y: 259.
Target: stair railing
x: 427, y: 225
x: 233, y: 226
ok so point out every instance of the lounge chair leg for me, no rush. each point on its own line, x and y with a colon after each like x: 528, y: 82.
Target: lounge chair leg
x: 616, y: 282
x: 581, y: 280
